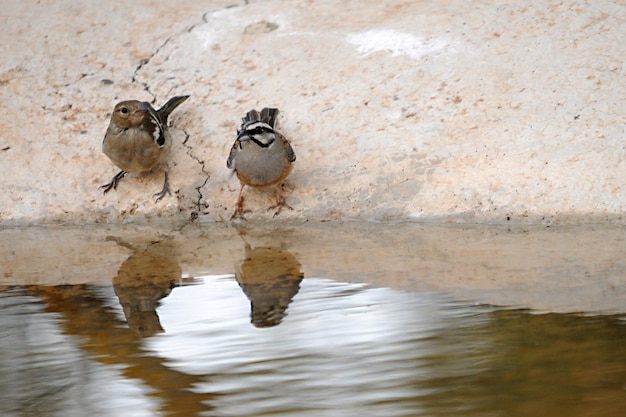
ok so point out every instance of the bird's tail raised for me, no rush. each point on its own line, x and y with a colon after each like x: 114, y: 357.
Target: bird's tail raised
x: 169, y: 107
x: 268, y: 115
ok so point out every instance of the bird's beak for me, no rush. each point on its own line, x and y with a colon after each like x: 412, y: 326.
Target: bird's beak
x: 140, y: 110
x: 243, y: 136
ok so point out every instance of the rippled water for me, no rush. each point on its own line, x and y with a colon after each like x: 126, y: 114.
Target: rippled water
x: 341, y: 350
x: 267, y: 340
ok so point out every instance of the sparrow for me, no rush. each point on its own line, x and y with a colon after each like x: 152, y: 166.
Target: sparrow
x: 137, y: 140
x: 261, y: 156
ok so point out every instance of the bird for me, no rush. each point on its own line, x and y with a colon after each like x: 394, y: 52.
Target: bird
x: 261, y: 157
x: 137, y: 140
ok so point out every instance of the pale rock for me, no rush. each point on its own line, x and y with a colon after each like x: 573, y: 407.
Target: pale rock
x: 457, y: 111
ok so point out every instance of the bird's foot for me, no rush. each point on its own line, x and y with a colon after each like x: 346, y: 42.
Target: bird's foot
x: 113, y: 184
x: 279, y: 206
x: 164, y: 191
x: 238, y: 214
x: 239, y: 211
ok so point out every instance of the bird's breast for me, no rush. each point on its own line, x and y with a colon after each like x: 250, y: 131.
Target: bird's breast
x: 256, y: 166
x: 134, y: 150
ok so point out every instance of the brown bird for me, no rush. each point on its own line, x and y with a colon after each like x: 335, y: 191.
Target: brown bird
x: 138, y: 140
x: 261, y: 157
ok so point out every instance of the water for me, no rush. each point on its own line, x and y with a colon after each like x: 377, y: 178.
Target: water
x: 218, y: 323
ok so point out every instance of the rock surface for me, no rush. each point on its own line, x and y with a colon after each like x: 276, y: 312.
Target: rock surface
x: 501, y: 111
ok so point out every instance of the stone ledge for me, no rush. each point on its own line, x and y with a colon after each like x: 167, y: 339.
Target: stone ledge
x: 504, y: 112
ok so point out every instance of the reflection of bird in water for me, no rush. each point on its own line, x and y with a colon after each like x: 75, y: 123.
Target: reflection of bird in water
x: 270, y: 278
x: 147, y: 276
x: 82, y: 312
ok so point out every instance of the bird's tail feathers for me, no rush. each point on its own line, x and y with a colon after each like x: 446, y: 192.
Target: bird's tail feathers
x: 169, y: 107
x: 251, y: 116
x: 268, y: 115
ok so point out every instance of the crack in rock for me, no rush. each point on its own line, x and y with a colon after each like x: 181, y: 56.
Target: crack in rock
x: 145, y: 62
x: 199, y: 203
x: 205, y: 18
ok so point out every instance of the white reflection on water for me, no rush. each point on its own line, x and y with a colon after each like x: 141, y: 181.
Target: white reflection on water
x: 342, y: 347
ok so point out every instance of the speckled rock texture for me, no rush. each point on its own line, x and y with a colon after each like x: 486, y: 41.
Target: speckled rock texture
x: 498, y: 111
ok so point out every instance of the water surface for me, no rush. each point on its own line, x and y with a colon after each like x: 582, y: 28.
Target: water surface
x: 164, y: 334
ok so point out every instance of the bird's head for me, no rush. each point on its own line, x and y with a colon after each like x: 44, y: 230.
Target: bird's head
x: 129, y: 113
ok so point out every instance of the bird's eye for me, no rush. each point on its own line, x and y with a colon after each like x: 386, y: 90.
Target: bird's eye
x: 124, y: 110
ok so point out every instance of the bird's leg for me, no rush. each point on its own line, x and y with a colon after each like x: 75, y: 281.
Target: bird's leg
x: 165, y: 190
x: 238, y: 213
x: 280, y: 202
x: 114, y: 181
